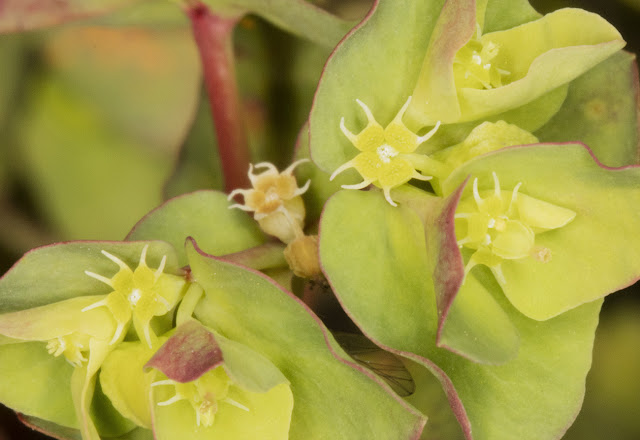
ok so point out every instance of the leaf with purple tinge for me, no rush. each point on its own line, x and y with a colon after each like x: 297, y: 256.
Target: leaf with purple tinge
x: 190, y: 352
x: 194, y: 356
x: 333, y: 397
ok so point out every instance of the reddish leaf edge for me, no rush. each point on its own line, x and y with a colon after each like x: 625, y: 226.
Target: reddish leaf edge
x: 452, y: 395
x: 634, y: 278
x: 353, y: 30
x: 69, y: 242
x: 417, y: 432
x: 31, y: 422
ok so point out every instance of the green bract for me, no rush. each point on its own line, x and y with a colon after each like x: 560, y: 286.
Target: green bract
x: 331, y: 398
x: 521, y: 64
x: 570, y: 43
x: 50, y: 299
x: 463, y: 286
x: 387, y: 287
x: 201, y: 386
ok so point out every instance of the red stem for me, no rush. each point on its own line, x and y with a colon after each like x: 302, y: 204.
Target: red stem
x: 213, y: 37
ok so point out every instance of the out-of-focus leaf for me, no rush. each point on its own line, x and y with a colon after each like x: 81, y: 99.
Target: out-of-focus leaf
x: 21, y: 15
x: 144, y: 83
x: 198, y: 164
x: 89, y: 180
x: 300, y: 17
x: 601, y: 110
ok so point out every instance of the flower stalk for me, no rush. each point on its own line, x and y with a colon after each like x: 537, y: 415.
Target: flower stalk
x: 213, y: 36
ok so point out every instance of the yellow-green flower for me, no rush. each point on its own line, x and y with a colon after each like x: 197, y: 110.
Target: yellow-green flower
x: 386, y: 157
x: 138, y: 295
x: 502, y: 225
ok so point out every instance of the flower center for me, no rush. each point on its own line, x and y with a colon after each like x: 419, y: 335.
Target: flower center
x: 473, y: 66
x: 136, y: 294
x: 203, y: 394
x: 386, y: 153
x: 502, y: 226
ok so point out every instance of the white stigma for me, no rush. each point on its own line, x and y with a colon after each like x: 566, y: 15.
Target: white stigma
x: 386, y: 153
x: 134, y: 296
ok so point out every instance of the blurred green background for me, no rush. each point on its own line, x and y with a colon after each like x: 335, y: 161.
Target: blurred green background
x: 101, y: 121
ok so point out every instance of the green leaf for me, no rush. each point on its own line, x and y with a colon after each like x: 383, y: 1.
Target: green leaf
x: 37, y: 384
x: 601, y: 111
x: 535, y: 396
x: 49, y: 428
x: 300, y: 17
x: 247, y: 368
x: 332, y: 399
x: 205, y: 216
x: 386, y: 282
x: 378, y: 63
x: 54, y: 273
x: 595, y: 254
x: 396, y: 288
